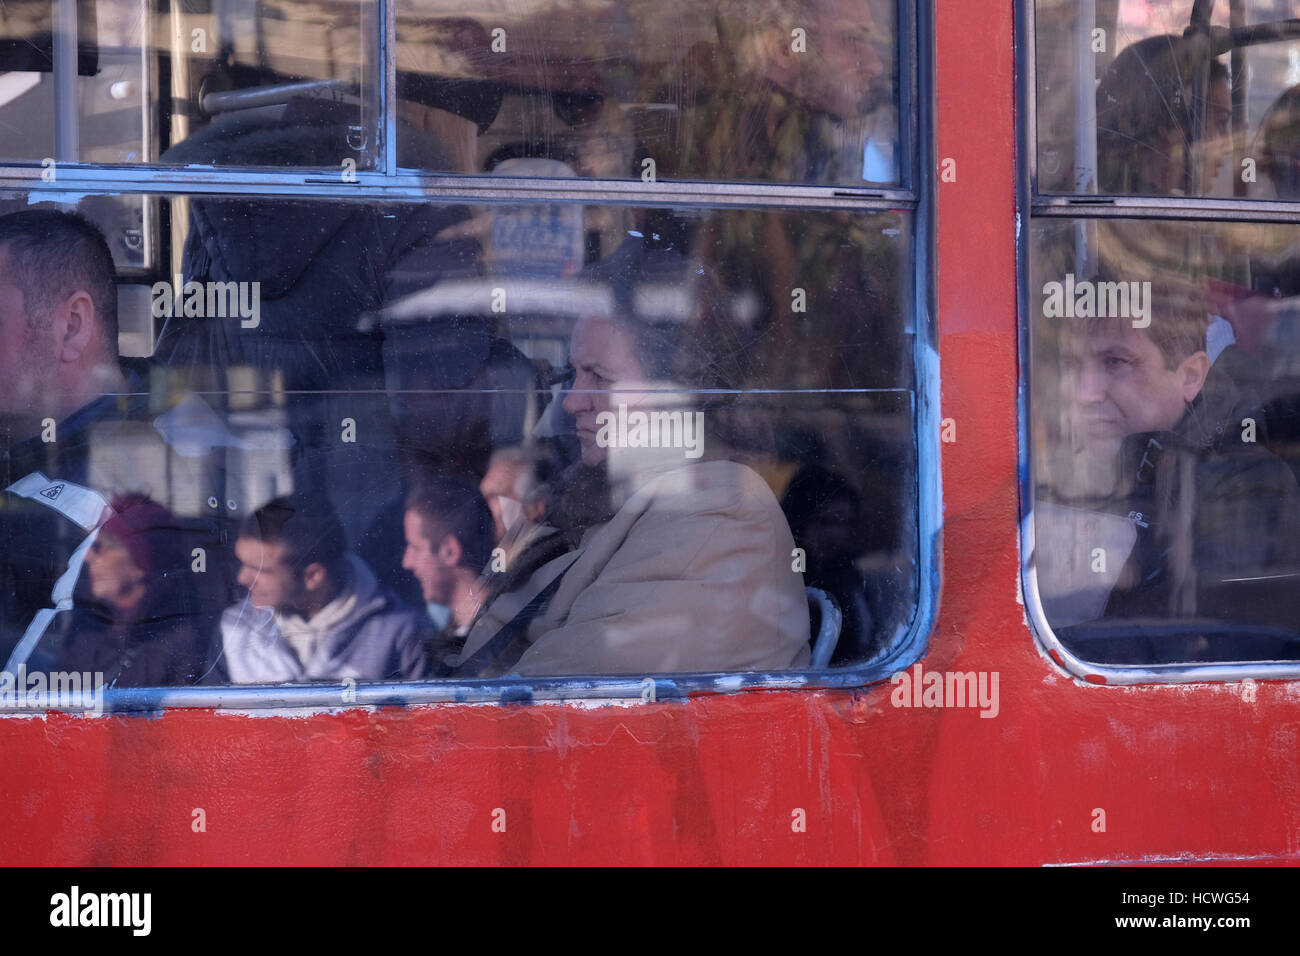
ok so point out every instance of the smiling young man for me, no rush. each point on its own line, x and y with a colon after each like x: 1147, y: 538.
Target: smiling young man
x: 1216, y: 515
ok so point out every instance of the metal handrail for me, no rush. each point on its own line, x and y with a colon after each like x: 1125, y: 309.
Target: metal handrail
x: 828, y: 634
x: 226, y: 101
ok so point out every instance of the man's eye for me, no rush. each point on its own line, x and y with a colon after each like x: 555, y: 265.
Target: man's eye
x: 563, y: 376
x: 1115, y: 362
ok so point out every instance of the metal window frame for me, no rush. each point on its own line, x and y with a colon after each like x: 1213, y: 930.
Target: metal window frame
x: 916, y: 69
x: 1084, y: 208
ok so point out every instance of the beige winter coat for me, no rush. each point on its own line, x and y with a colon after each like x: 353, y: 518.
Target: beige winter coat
x: 693, y: 573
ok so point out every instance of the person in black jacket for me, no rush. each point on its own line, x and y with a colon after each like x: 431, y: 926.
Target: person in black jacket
x: 1214, y: 571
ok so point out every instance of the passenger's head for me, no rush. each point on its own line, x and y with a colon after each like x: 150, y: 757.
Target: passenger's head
x: 1279, y: 135
x: 133, y: 553
x: 1124, y: 380
x: 605, y: 362
x: 667, y: 342
x: 838, y: 57
x: 58, y: 314
x: 448, y: 536
x: 516, y: 474
x: 292, y: 555
x: 1151, y: 102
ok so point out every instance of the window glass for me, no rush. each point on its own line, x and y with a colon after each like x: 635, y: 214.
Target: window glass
x: 230, y: 84
x: 764, y: 90
x: 1165, y: 438
x: 418, y: 440
x: 1140, y: 101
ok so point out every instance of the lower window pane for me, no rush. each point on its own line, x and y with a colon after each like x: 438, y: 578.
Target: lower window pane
x: 1164, y: 426
x: 419, y: 441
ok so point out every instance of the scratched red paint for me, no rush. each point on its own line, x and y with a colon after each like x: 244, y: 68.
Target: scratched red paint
x: 1176, y: 769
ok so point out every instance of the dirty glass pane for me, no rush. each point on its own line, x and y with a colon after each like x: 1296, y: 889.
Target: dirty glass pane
x: 760, y: 90
x: 234, y: 83
x: 370, y: 438
x: 1139, y: 100
x: 1165, y: 439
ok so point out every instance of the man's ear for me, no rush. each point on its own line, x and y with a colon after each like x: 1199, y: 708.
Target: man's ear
x: 1191, y: 374
x: 75, y: 326
x: 314, y: 576
x: 450, y: 551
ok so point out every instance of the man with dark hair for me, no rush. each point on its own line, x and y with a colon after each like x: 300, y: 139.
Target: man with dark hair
x: 1164, y: 110
x: 313, y: 611
x: 448, y: 544
x: 1215, y: 516
x: 58, y: 318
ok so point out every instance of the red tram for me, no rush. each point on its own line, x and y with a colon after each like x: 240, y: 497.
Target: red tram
x: 921, y: 173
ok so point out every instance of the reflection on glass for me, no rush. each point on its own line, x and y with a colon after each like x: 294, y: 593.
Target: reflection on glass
x: 803, y: 92
x: 236, y: 84
x: 1143, y: 102
x: 385, y: 442
x: 1164, y: 424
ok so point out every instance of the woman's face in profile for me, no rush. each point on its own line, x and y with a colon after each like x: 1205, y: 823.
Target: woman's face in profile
x: 607, y: 374
x: 115, y: 578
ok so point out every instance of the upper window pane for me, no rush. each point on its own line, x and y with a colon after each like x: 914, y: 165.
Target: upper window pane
x: 372, y: 437
x: 230, y: 84
x: 1165, y: 439
x: 1140, y: 101
x: 742, y: 90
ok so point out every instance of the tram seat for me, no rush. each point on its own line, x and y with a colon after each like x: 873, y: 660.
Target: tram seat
x: 828, y: 631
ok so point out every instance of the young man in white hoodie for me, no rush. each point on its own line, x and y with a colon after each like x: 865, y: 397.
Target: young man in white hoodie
x: 314, y: 612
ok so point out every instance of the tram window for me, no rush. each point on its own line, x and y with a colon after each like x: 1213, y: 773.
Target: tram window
x: 416, y: 440
x: 1165, y: 439
x: 230, y: 84
x: 1142, y: 101
x: 773, y: 90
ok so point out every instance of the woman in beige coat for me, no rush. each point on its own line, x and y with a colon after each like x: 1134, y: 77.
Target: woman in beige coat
x: 661, y: 560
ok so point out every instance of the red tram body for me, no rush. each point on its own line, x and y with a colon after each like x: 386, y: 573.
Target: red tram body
x: 1191, y: 772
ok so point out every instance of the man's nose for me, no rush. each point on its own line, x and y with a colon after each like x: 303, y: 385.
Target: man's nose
x: 872, y: 65
x: 576, y: 401
x: 1090, y: 385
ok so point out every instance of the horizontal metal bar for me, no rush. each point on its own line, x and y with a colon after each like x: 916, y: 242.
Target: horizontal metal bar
x: 227, y: 100
x: 324, y: 183
x: 1223, y: 39
x: 339, y: 695
x: 1132, y: 207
